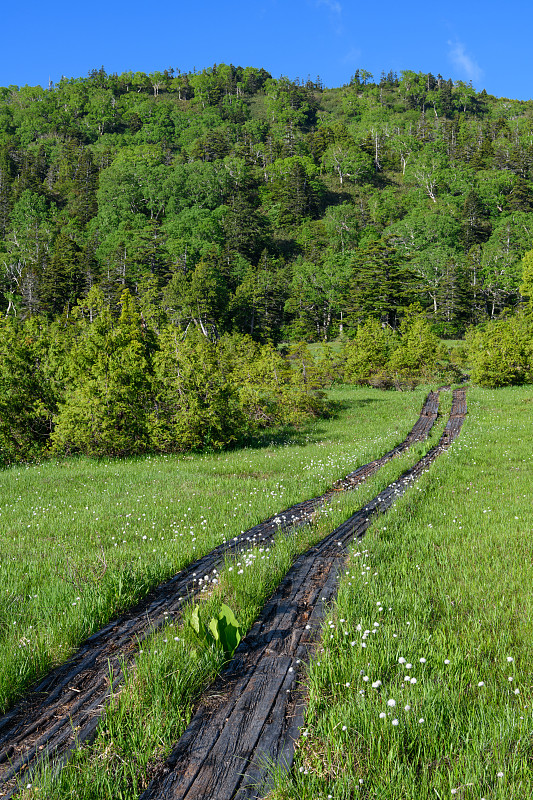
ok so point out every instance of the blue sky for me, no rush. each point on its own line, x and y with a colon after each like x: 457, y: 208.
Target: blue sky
x: 488, y: 43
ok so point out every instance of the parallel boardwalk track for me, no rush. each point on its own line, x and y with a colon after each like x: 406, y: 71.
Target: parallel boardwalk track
x: 63, y: 711
x: 250, y: 718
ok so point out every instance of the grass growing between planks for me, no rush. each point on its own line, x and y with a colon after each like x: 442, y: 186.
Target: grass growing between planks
x: 424, y: 686
x: 158, y: 698
x: 82, y: 540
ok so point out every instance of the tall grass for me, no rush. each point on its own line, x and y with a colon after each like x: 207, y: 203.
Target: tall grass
x: 159, y: 695
x: 82, y: 540
x: 422, y: 686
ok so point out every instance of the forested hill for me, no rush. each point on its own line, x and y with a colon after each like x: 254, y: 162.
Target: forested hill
x: 234, y: 201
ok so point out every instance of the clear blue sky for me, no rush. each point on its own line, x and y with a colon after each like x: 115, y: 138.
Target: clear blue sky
x: 486, y: 42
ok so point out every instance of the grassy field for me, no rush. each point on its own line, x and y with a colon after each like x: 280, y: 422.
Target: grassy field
x: 423, y: 684
x: 82, y: 540
x: 153, y: 708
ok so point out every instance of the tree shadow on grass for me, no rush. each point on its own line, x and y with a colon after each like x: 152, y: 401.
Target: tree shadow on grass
x: 306, y: 433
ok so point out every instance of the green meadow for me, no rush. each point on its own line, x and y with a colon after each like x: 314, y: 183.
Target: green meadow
x: 82, y: 540
x: 421, y: 685
x: 158, y: 698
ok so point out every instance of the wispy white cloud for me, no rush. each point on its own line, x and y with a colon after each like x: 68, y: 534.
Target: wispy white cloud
x: 334, y: 9
x: 463, y: 61
x: 333, y: 5
x: 353, y: 56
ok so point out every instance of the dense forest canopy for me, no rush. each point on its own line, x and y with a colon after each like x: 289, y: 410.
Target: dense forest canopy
x: 235, y: 202
x: 161, y: 235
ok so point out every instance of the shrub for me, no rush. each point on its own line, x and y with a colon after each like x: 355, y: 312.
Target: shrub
x: 196, y: 402
x: 417, y: 351
x: 27, y: 400
x: 106, y: 404
x: 368, y: 352
x: 501, y: 352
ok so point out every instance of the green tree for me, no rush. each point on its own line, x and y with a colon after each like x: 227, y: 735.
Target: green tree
x: 367, y: 354
x: 414, y: 88
x: 418, y: 347
x: 381, y: 284
x: 293, y: 190
x: 342, y: 226
x: 404, y: 147
x: 427, y: 171
x: 191, y: 234
x: 7, y: 175
x: 76, y: 183
x: 199, y: 297
x: 197, y: 404
x: 133, y: 185
x: 61, y: 278
x: 244, y: 226
x: 494, y: 187
x: 28, y: 246
x: 348, y: 163
x: 501, y: 352
x: 464, y: 96
x: 476, y: 229
x: 526, y: 287
x: 27, y: 400
x: 289, y: 107
x: 257, y: 307
x: 101, y: 115
x: 109, y: 395
x: 317, y: 296
x: 500, y: 260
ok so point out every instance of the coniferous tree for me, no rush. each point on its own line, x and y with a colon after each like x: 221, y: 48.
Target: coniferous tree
x: 27, y: 400
x: 381, y: 284
x: 108, y: 399
x: 475, y: 227
x: 7, y: 174
x: 196, y: 402
x: 61, y: 280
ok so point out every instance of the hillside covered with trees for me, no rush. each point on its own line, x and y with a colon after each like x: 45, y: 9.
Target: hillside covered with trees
x: 160, y: 234
x: 234, y: 201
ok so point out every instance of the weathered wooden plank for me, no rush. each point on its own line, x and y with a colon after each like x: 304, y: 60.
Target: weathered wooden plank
x: 67, y: 697
x: 224, y: 755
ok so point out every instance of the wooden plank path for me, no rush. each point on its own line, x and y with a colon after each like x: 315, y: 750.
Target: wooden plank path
x: 251, y: 717
x: 63, y: 711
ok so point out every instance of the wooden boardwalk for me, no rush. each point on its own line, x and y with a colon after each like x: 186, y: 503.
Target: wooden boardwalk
x: 250, y: 719
x: 63, y: 711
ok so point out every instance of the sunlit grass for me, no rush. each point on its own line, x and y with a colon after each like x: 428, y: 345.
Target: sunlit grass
x: 160, y: 692
x: 82, y: 540
x: 423, y: 684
